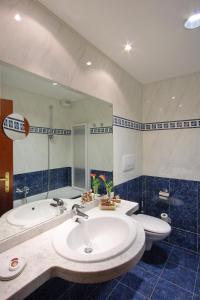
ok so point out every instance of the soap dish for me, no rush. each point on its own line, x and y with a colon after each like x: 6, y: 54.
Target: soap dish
x: 12, y: 267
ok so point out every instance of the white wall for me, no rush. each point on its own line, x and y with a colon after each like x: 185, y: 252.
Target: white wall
x: 172, y: 153
x: 44, y: 45
x: 30, y: 154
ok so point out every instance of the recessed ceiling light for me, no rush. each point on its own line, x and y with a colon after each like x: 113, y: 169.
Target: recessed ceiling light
x: 128, y: 47
x: 88, y: 63
x: 173, y: 97
x: 18, y: 18
x: 193, y: 21
x: 54, y: 83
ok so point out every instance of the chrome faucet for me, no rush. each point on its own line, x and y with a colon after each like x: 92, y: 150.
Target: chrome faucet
x: 23, y: 190
x: 60, y: 204
x: 77, y: 212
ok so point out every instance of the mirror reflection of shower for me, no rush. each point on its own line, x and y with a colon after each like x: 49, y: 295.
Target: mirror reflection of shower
x: 80, y: 164
x: 51, y: 133
x: 50, y: 139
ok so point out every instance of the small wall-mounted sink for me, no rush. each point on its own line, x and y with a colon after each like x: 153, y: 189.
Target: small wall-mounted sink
x: 102, y: 236
x: 32, y: 213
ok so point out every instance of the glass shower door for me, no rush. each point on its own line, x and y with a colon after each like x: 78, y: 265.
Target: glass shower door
x: 79, y: 170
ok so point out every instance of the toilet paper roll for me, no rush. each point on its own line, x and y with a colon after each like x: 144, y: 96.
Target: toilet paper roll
x: 163, y: 198
x: 164, y: 194
x: 164, y: 217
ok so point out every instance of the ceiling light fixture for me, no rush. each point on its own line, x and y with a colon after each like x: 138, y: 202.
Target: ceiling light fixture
x: 193, y: 21
x: 54, y: 83
x: 128, y: 47
x: 18, y: 18
x: 88, y: 63
x: 173, y: 97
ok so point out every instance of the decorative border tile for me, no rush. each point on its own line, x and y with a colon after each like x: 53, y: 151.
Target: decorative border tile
x: 46, y: 130
x: 56, y: 131
x: 164, y: 125
x: 101, y: 130
x: 126, y: 123
x: 168, y: 125
x: 14, y: 125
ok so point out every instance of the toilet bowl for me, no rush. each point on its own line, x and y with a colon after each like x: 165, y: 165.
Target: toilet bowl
x: 155, y: 228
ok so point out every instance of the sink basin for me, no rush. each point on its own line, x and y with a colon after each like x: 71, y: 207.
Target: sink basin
x: 32, y: 213
x: 102, y: 236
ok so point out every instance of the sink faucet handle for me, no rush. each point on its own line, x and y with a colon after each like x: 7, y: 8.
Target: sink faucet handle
x: 60, y: 202
x: 22, y: 189
x: 19, y: 190
x: 77, y: 206
x: 76, y: 211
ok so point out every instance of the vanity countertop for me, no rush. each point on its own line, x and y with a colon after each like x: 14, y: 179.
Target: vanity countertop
x: 43, y: 262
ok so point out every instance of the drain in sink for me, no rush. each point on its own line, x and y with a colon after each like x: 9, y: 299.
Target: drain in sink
x: 88, y: 250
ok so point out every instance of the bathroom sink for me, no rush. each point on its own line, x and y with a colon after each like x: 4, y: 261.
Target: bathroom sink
x: 102, y: 236
x: 32, y: 213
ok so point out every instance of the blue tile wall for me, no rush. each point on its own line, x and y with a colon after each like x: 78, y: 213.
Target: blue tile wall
x: 183, y: 208
x: 184, y: 213
x: 131, y: 190
x: 152, y: 186
x: 107, y: 174
x: 38, y: 181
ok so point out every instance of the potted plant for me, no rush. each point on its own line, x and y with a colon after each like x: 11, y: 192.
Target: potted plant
x: 108, y: 185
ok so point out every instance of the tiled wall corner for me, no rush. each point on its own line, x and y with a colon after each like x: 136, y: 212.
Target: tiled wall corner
x: 130, y: 190
x: 183, y: 208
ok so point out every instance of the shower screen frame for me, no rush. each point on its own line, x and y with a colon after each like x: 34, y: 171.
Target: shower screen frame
x: 85, y: 125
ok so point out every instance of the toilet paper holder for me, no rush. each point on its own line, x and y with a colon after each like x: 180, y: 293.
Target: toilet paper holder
x: 164, y: 195
x: 165, y: 218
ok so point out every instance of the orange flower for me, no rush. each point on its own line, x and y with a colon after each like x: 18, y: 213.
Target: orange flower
x: 93, y: 175
x: 102, y: 177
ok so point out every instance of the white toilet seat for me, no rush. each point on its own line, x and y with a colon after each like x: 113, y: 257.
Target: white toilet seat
x: 153, y: 225
x: 155, y: 228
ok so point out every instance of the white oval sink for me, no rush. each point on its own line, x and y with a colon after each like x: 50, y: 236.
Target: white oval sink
x: 32, y: 213
x: 105, y: 234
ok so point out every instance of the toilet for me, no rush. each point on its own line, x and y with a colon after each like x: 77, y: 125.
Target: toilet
x: 155, y: 228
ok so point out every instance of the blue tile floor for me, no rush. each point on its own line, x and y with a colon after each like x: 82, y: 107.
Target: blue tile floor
x: 164, y: 273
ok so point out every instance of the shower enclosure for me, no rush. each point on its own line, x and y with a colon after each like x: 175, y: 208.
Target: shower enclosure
x: 80, y: 175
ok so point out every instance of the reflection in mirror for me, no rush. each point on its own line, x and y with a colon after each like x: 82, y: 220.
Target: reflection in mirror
x: 16, y: 127
x: 70, y: 137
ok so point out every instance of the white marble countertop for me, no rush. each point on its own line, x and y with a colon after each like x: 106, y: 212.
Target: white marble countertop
x: 8, y: 230
x: 43, y: 262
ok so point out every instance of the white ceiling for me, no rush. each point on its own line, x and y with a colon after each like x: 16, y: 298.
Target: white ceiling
x: 162, y: 47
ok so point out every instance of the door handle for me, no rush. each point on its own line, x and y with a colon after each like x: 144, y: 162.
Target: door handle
x: 6, y: 179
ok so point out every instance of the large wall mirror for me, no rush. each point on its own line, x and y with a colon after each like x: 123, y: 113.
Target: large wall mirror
x: 69, y: 137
